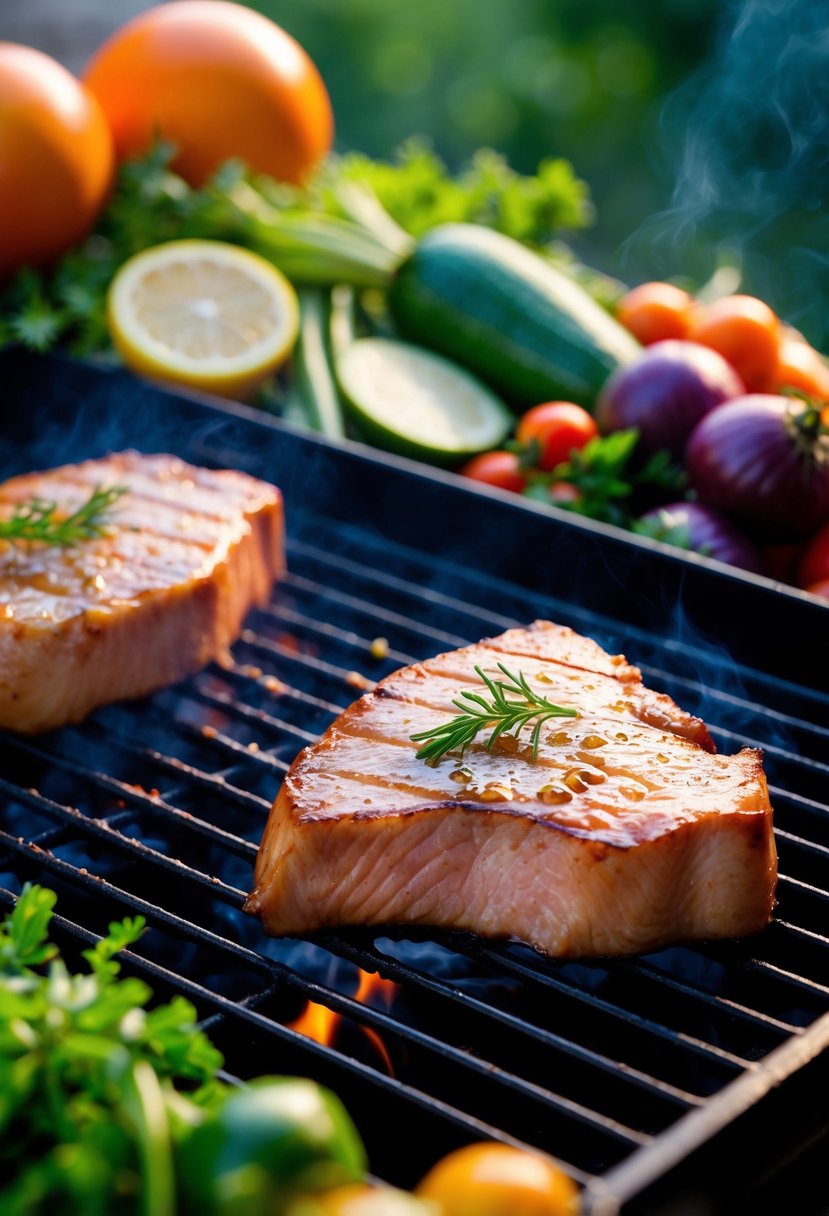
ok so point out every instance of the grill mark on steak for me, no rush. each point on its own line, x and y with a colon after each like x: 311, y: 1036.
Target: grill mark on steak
x: 625, y: 834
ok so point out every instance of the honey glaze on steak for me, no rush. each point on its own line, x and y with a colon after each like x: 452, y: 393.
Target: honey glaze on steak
x: 624, y: 834
x: 188, y: 551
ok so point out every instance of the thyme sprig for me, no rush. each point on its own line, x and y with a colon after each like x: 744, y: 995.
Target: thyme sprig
x: 476, y: 713
x: 40, y: 519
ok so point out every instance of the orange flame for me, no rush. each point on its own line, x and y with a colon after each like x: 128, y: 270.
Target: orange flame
x: 320, y: 1023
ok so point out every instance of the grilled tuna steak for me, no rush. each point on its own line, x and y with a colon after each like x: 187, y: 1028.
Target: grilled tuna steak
x: 188, y: 552
x: 625, y: 833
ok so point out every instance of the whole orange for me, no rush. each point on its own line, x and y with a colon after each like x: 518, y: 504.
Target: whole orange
x: 55, y: 158
x: 217, y: 80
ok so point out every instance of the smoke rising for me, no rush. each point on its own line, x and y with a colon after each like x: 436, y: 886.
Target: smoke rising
x: 745, y: 144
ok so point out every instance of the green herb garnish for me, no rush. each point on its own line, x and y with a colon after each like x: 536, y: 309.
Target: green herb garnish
x: 476, y: 713
x: 39, y: 519
x: 112, y: 1102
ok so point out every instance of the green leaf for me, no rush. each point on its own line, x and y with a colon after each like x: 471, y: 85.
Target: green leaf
x: 24, y: 931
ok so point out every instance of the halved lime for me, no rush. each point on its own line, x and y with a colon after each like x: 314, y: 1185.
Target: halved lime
x: 408, y: 400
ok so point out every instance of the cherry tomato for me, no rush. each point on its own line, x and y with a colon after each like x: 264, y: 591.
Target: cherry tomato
x: 654, y: 312
x: 814, y: 560
x: 744, y: 331
x: 557, y: 427
x: 800, y: 367
x: 497, y: 1180
x: 501, y: 469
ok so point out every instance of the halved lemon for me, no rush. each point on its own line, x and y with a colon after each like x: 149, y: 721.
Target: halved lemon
x: 204, y: 314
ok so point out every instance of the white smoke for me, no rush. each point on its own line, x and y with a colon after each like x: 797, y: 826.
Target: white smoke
x: 746, y: 145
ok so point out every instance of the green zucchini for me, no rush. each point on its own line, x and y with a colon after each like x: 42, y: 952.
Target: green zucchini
x: 405, y: 399
x: 508, y: 315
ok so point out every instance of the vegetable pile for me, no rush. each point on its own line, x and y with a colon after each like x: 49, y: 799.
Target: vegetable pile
x: 112, y: 1103
x: 439, y: 316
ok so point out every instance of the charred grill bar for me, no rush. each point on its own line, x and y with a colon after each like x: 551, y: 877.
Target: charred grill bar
x: 694, y: 1075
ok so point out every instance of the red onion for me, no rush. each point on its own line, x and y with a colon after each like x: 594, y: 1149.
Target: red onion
x: 706, y: 532
x: 765, y: 460
x: 665, y: 392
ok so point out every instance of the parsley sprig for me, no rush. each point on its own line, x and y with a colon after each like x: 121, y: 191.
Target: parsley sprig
x: 505, y: 716
x: 40, y: 519
x: 87, y: 1073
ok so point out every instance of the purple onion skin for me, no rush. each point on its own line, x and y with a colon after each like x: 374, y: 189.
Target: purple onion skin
x: 748, y: 459
x: 710, y: 533
x: 665, y: 393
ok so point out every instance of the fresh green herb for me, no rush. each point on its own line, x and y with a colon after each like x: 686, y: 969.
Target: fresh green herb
x: 505, y: 716
x: 110, y: 1104
x: 353, y: 224
x: 606, y: 475
x: 85, y: 1072
x: 40, y: 520
x: 418, y: 191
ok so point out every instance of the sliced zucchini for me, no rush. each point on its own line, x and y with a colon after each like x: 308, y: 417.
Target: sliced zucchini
x: 408, y: 400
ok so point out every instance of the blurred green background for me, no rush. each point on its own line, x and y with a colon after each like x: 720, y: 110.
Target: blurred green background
x: 699, y: 125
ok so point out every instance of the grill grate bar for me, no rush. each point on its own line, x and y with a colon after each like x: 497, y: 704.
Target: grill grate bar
x: 259, y: 717
x: 243, y: 1011
x: 324, y: 629
x: 660, y: 1047
x: 101, y: 830
x: 238, y: 675
x: 545, y: 980
x: 128, y: 794
x: 380, y: 576
x: 375, y: 611
x: 655, y: 676
x: 284, y: 654
x: 403, y: 974
x: 376, y: 558
x: 348, y: 1007
x: 373, y: 959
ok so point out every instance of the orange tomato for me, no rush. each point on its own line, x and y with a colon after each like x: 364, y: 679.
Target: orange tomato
x: 55, y: 158
x: 497, y: 1180
x: 217, y: 80
x: 800, y: 367
x: 654, y: 312
x: 744, y: 331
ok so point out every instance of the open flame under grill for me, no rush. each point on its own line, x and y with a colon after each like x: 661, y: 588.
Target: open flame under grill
x: 644, y: 1076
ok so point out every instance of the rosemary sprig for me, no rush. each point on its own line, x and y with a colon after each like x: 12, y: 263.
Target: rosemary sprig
x: 476, y: 713
x: 39, y: 519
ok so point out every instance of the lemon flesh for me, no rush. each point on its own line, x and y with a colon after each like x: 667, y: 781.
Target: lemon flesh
x: 414, y: 402
x: 204, y: 314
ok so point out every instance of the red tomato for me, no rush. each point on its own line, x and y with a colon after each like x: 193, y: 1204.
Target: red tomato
x: 813, y: 566
x: 653, y: 312
x: 501, y: 469
x: 557, y: 427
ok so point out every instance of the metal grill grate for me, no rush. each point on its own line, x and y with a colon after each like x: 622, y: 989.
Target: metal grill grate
x: 627, y: 1070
